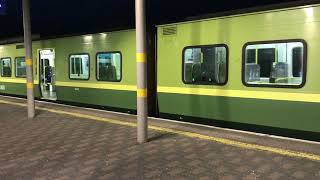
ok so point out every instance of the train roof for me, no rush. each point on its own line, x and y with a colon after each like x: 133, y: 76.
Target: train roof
x: 37, y: 37
x: 248, y: 11
x: 224, y: 14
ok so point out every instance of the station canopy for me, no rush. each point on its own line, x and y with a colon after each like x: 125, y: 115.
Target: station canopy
x: 61, y: 17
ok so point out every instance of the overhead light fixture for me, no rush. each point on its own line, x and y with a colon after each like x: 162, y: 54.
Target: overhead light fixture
x: 88, y: 38
x: 103, y: 35
x: 309, y: 12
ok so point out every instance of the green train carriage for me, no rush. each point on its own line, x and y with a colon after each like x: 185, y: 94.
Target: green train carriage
x: 74, y: 63
x: 251, y: 71
x: 269, y: 65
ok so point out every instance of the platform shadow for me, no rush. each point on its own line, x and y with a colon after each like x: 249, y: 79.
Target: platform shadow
x: 161, y: 136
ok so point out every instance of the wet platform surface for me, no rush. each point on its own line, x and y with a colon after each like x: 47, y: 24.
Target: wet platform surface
x: 56, y: 145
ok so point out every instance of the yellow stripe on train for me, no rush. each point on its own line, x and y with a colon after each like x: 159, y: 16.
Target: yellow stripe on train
x: 268, y: 95
x: 16, y: 80
x: 120, y: 87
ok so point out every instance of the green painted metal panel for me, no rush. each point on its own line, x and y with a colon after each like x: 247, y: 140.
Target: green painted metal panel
x: 235, y: 31
x: 11, y: 51
x: 17, y: 89
x: 281, y: 114
x: 123, y: 41
x: 102, y: 97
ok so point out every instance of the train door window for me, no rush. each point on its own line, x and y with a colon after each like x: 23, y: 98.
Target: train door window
x: 277, y: 63
x: 20, y: 67
x: 79, y: 66
x: 109, y: 66
x: 205, y: 65
x: 297, y: 56
x: 6, y: 68
x: 266, y: 58
x: 251, y: 55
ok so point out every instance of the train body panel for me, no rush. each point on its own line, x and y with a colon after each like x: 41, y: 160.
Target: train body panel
x: 276, y: 106
x: 12, y: 84
x: 118, y: 92
x: 302, y: 116
x: 254, y: 69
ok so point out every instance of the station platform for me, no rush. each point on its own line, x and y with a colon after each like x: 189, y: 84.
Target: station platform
x: 65, y: 142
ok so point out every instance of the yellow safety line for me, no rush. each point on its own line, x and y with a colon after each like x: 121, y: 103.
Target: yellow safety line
x: 290, y: 153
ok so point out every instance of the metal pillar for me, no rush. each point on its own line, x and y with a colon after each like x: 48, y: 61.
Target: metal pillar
x: 142, y: 94
x: 28, y: 57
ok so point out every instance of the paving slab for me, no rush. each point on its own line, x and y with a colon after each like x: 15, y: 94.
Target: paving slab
x: 61, y: 146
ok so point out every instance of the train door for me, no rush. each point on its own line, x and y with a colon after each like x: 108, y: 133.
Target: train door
x: 47, y: 74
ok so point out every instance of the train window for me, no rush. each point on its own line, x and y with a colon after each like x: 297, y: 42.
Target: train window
x: 280, y: 63
x: 79, y: 67
x: 205, y: 64
x: 6, y: 67
x: 20, y: 67
x: 109, y: 66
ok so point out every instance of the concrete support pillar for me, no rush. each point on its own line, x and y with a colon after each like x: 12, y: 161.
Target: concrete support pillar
x: 28, y: 57
x: 142, y: 94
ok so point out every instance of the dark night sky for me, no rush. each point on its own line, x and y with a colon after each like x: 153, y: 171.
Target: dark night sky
x: 58, y: 17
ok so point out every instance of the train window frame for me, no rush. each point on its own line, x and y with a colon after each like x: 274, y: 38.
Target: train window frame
x: 288, y: 86
x: 15, y: 67
x: 89, y: 68
x: 206, y: 83
x: 121, y: 65
x: 1, y: 66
